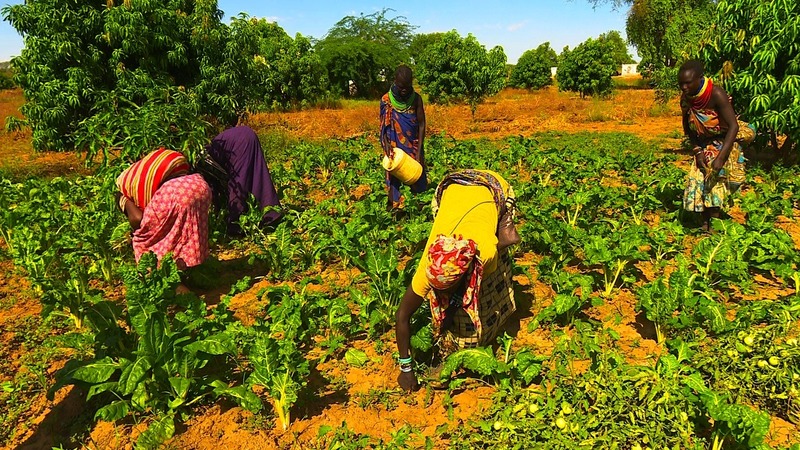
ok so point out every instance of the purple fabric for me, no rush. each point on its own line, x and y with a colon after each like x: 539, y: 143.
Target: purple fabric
x: 239, y: 152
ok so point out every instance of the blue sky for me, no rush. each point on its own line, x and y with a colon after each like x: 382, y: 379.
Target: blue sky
x: 516, y: 25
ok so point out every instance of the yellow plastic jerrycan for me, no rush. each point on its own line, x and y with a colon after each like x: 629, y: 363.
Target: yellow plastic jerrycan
x: 402, y: 166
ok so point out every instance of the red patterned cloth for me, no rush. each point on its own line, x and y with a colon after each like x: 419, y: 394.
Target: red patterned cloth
x: 450, y: 258
x: 141, y: 180
x: 176, y: 220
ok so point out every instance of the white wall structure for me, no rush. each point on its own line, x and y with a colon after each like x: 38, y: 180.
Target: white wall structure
x: 553, y: 71
x: 630, y: 69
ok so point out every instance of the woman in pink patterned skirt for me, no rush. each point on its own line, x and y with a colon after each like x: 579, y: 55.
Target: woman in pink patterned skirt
x: 167, y: 208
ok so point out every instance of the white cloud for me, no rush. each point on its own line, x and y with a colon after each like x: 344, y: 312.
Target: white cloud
x: 516, y: 26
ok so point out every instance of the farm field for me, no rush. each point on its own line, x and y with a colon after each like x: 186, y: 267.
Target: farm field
x: 633, y: 329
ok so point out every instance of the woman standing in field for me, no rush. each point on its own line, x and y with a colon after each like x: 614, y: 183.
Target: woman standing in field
x: 403, y: 127
x: 239, y: 152
x: 716, y: 135
x: 167, y: 208
x: 465, y: 272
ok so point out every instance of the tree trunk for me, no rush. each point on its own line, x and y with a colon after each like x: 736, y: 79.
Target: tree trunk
x: 788, y: 145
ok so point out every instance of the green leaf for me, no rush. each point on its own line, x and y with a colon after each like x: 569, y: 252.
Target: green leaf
x: 133, y: 374
x: 154, y: 340
x: 102, y: 315
x: 715, y: 313
x: 113, y: 411
x: 180, y: 386
x: 528, y: 365
x: 683, y: 352
x: 218, y: 344
x: 564, y: 303
x: 243, y: 396
x: 96, y: 371
x: 157, y: 433
x: 480, y: 360
x: 100, y: 388
x: 668, y: 365
x: 356, y: 357
x: 422, y: 340
x: 696, y: 383
x: 140, y: 397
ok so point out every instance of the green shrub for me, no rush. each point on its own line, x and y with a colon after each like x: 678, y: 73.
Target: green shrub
x: 587, y: 68
x: 456, y: 68
x: 533, y: 68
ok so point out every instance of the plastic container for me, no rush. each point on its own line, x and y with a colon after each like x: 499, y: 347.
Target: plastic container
x: 402, y: 166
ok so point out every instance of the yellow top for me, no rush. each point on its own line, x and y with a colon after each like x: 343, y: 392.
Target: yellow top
x: 471, y: 212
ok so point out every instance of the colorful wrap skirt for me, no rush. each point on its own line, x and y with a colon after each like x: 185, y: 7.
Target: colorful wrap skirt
x: 176, y: 221
x: 712, y: 190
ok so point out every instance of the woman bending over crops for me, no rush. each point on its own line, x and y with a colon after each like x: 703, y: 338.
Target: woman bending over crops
x: 239, y: 152
x: 716, y: 135
x: 167, y: 208
x: 465, y: 272
x: 403, y: 127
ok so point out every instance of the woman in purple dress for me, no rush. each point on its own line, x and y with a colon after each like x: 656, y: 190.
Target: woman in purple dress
x: 239, y: 152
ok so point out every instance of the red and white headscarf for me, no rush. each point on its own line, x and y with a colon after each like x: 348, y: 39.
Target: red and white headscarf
x: 450, y: 259
x: 141, y: 180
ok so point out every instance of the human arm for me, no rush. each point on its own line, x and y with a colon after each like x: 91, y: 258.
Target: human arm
x: 133, y: 212
x: 421, y: 123
x: 727, y: 115
x: 409, y: 304
x: 385, y: 145
x: 691, y: 135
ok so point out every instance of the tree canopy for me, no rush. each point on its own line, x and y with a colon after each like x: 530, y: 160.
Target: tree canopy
x: 456, y: 68
x: 619, y: 49
x: 365, y: 50
x: 533, y: 68
x: 587, y: 68
x: 661, y: 29
x: 139, y: 74
x: 420, y: 42
x: 754, y: 49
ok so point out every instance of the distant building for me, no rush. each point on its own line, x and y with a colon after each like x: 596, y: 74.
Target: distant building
x: 630, y: 69
x: 553, y: 71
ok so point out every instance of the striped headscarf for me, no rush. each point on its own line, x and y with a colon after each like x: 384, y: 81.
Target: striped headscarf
x: 141, y: 180
x: 450, y: 258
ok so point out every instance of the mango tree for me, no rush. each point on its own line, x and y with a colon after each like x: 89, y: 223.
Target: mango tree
x: 461, y: 69
x: 138, y: 74
x: 533, y: 68
x: 587, y: 68
x: 754, y: 47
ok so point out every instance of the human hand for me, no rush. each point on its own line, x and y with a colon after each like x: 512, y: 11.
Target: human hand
x: 700, y: 161
x: 408, y: 381
x: 717, y: 165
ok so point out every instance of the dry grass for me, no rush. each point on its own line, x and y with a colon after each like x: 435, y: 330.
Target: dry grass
x: 512, y: 112
x: 17, y: 157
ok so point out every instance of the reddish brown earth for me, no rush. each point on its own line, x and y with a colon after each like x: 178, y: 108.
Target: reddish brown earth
x: 365, y: 398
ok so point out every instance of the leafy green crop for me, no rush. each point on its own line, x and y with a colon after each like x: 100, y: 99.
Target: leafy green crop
x: 159, y: 362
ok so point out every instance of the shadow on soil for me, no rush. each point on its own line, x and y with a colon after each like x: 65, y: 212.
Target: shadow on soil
x: 68, y: 417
